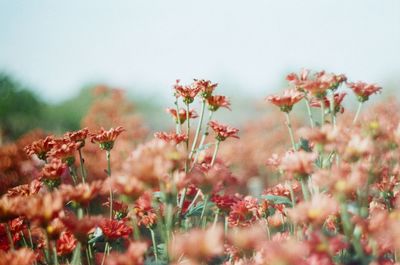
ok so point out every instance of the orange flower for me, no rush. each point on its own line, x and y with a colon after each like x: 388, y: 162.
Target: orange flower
x: 182, y: 115
x: 364, y: 90
x: 215, y: 102
x: 40, y: 147
x: 171, y: 137
x: 80, y: 227
x: 82, y: 193
x: 287, y: 100
x: 42, y: 208
x: 188, y: 93
x: 22, y: 256
x: 106, y: 138
x: 223, y: 131
x: 64, y: 150
x: 206, y: 87
x: 144, y: 210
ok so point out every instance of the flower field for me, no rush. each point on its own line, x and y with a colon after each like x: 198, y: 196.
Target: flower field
x: 317, y: 189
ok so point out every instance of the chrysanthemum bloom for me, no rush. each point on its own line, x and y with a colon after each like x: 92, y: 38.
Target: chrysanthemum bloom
x: 22, y: 256
x: 206, y: 87
x: 119, y: 208
x: 171, y: 137
x: 216, y: 102
x: 298, y: 164
x: 42, y: 208
x: 134, y: 255
x: 332, y: 79
x: 78, y: 136
x: 247, y: 239
x: 82, y: 193
x: 198, y: 246
x: 223, y: 131
x: 182, y: 115
x: 315, y: 211
x: 298, y: 80
x: 358, y: 147
x: 283, y: 252
x: 40, y: 147
x: 53, y: 171
x: 114, y: 229
x: 144, y: 211
x: 287, y: 100
x: 25, y: 190
x: 244, y: 212
x: 80, y: 227
x: 66, y: 243
x: 127, y: 185
x: 225, y: 202
x: 338, y: 98
x: 188, y: 93
x: 106, y: 138
x: 64, y: 150
x: 364, y: 90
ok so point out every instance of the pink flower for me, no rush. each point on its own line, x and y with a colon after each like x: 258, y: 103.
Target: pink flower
x: 364, y: 90
x: 223, y: 131
x: 298, y: 164
x: 287, y: 100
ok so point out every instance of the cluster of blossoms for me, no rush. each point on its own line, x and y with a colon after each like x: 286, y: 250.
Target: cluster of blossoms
x: 331, y: 198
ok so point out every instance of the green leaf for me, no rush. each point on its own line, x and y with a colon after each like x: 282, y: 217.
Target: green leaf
x: 277, y: 199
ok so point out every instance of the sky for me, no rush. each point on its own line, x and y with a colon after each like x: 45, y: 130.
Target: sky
x: 248, y: 47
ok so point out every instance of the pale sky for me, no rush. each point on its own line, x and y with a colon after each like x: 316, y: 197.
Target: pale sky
x: 58, y: 46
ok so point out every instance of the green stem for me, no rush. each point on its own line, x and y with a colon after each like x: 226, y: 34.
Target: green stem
x: 9, y: 236
x: 322, y: 111
x: 289, y: 126
x: 153, y: 238
x: 83, y: 172
x: 105, y: 252
x: 188, y: 136
x: 304, y: 188
x: 310, y: 116
x: 178, y: 124
x: 196, y: 136
x: 55, y: 255
x: 332, y: 108
x: 204, y: 136
x: 215, y: 152
x: 358, y: 112
x: 108, y: 156
x: 202, y: 220
x: 73, y: 175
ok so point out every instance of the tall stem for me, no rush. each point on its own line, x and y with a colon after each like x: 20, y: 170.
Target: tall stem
x: 202, y: 220
x: 83, y: 172
x: 332, y: 108
x: 215, y: 152
x: 358, y: 112
x: 178, y: 124
x: 322, y: 111
x: 9, y: 236
x: 188, y: 136
x: 196, y: 136
x: 310, y: 116
x: 204, y: 136
x: 289, y: 125
x: 153, y: 239
x: 304, y: 188
x: 108, y: 156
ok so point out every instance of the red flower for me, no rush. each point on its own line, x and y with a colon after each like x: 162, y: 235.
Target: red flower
x: 338, y: 98
x: 206, y: 87
x: 144, y: 210
x: 171, y: 137
x: 225, y: 202
x: 188, y: 93
x: 215, y: 102
x: 114, y: 229
x: 287, y: 100
x: 182, y: 115
x: 40, y: 147
x: 65, y: 150
x: 53, y: 170
x: 364, y: 90
x: 106, y: 138
x: 78, y: 136
x: 66, y: 243
x: 134, y: 255
x: 244, y: 212
x: 223, y: 131
x: 120, y: 208
x: 80, y: 227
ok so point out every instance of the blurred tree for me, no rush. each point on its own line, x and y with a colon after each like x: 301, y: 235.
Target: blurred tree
x: 20, y: 109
